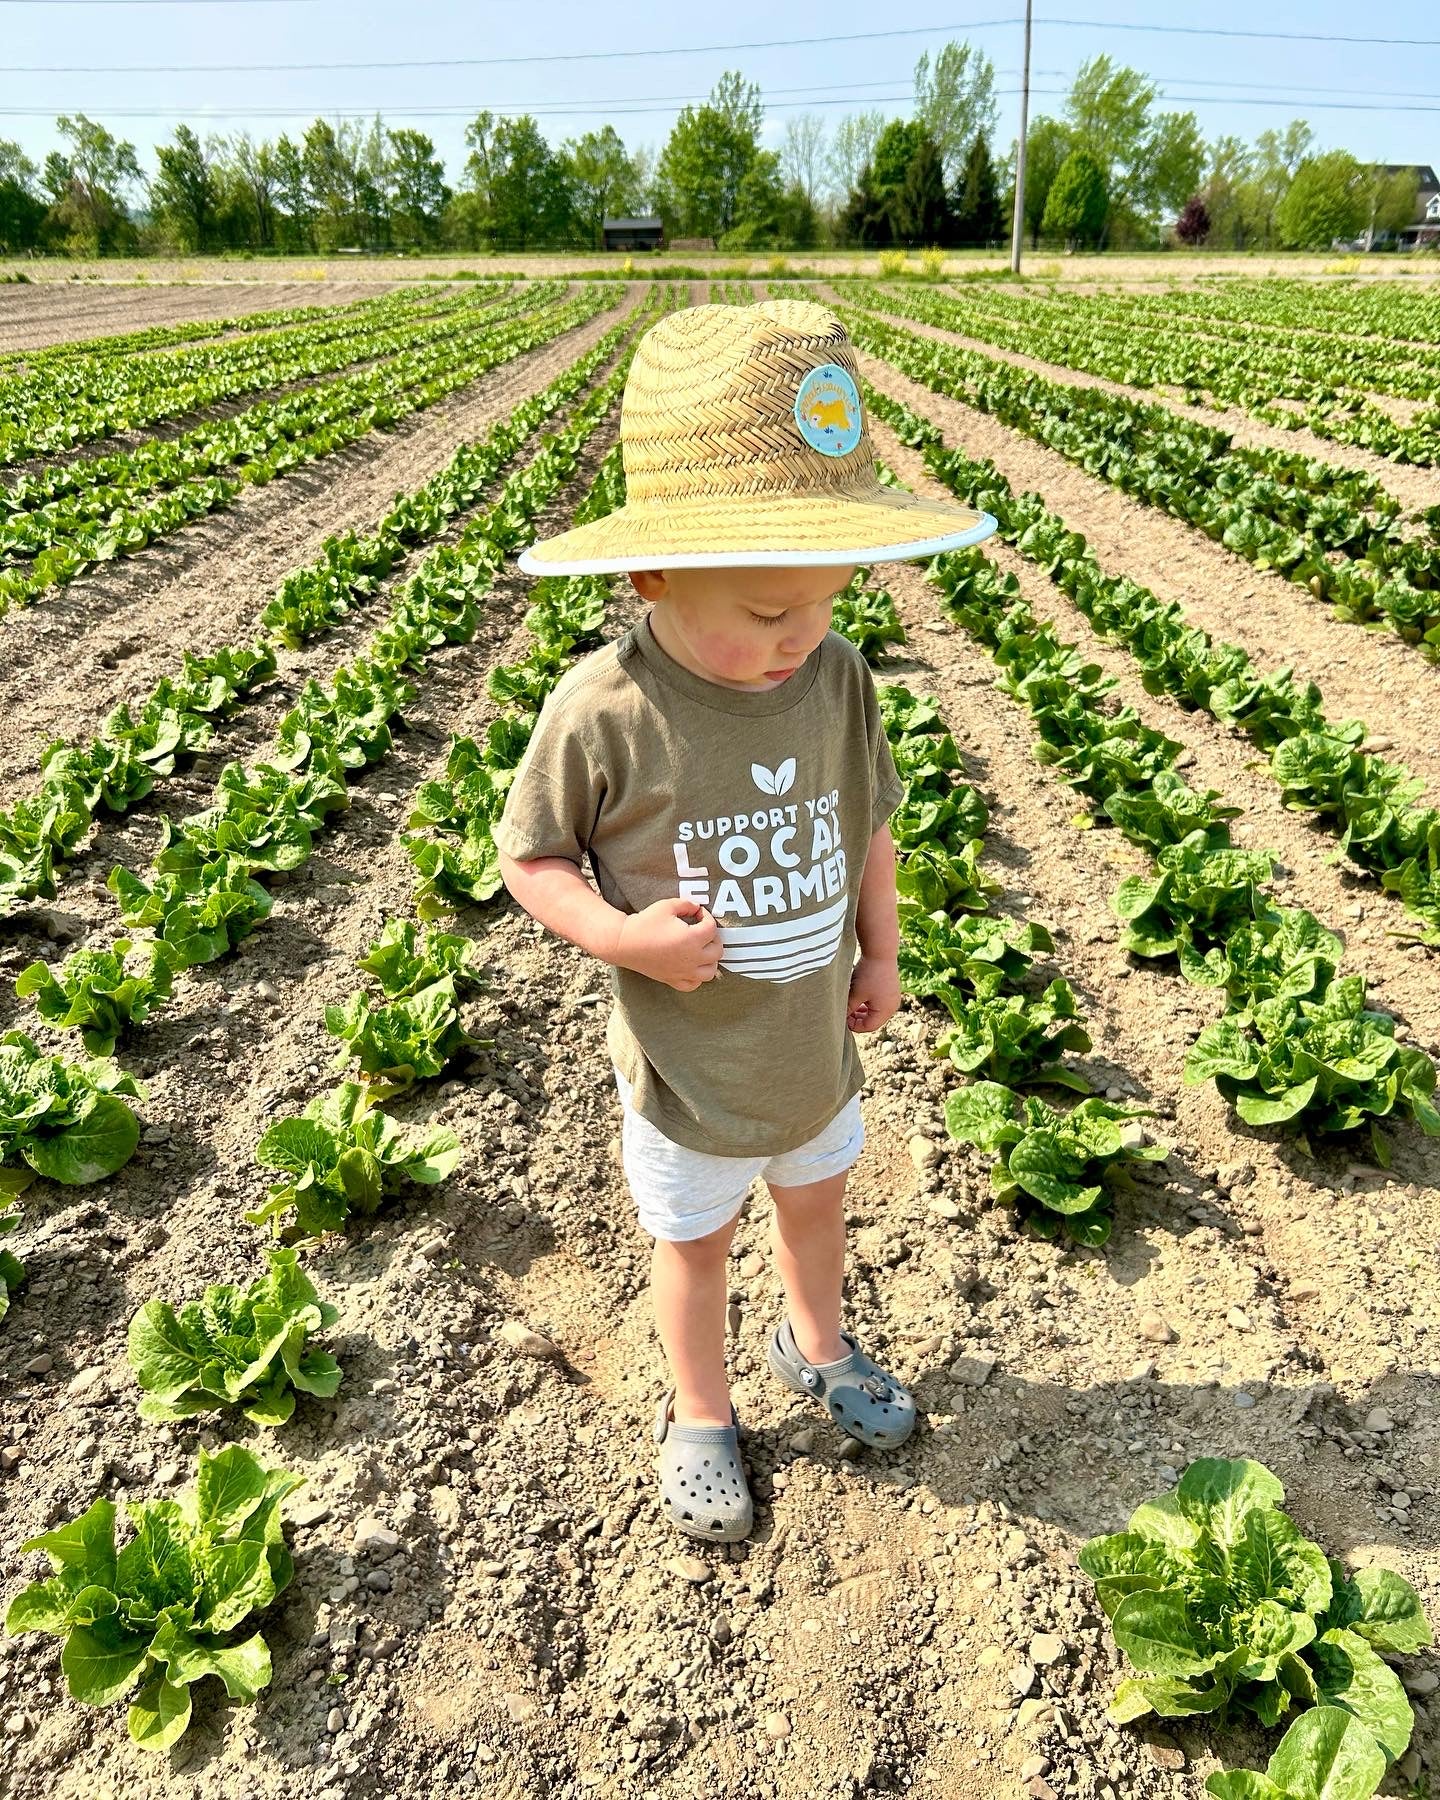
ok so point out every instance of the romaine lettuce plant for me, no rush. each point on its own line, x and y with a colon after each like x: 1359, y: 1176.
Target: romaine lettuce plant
x: 1330, y: 1065
x: 979, y: 956
x: 945, y: 880
x: 403, y: 959
x: 1194, y: 897
x: 1053, y: 1168
x: 1327, y: 1754
x: 1015, y: 1038
x: 12, y: 1270
x: 164, y: 1611
x: 342, y: 1156
x: 242, y: 1347
x: 65, y: 1121
x: 200, y: 906
x: 404, y: 1040
x: 868, y: 618
x: 1218, y: 1599
x: 100, y: 991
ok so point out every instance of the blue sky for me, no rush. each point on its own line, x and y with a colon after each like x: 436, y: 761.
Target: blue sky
x: 1382, y: 102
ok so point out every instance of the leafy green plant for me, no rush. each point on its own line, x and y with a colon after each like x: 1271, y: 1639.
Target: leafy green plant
x: 941, y: 879
x: 1218, y: 1599
x: 12, y: 1270
x: 1015, y: 1038
x: 244, y: 1347
x: 1327, y: 1754
x: 404, y: 959
x: 201, y: 906
x: 99, y: 991
x: 65, y: 1121
x: 1169, y: 812
x: 974, y: 955
x: 341, y: 1156
x: 1288, y: 954
x: 1194, y: 896
x: 163, y: 1612
x: 1054, y: 1168
x: 1328, y: 1065
x: 401, y: 1041
x: 868, y: 618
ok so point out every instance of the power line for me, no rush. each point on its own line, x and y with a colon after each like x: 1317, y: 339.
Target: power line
x: 853, y: 37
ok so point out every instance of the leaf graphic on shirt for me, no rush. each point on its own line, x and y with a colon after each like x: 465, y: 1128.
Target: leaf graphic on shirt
x: 777, y: 781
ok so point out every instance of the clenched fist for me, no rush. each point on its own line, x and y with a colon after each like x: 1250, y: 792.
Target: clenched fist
x: 674, y: 941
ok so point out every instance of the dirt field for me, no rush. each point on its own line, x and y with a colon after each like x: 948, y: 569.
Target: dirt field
x: 538, y: 1631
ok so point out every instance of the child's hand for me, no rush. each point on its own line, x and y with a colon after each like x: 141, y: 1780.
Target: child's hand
x: 874, y: 993
x: 674, y: 941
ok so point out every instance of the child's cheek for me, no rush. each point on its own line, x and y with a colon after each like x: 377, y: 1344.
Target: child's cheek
x: 734, y: 658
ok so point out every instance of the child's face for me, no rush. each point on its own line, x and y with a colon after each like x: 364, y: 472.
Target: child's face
x: 741, y: 628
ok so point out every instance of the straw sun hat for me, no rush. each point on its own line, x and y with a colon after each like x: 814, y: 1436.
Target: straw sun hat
x: 745, y: 445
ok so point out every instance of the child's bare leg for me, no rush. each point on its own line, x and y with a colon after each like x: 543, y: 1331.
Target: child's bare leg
x: 688, y: 1283
x: 809, y: 1239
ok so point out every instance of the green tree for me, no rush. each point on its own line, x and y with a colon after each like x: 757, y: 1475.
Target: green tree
x: 919, y: 209
x: 865, y: 216
x: 602, y: 180
x: 978, y: 218
x: 706, y: 158
x: 798, y: 219
x: 295, y: 218
x: 330, y: 178
x: 256, y: 167
x: 1326, y: 201
x: 894, y: 150
x: 186, y: 190
x: 1150, y: 162
x: 88, y: 183
x: 22, y: 211
x: 1278, y: 155
x: 1046, y: 147
x: 1229, y: 167
x: 955, y: 101
x: 529, y: 192
x: 1391, y: 198
x: 1078, y: 202
x: 417, y: 189
x: 758, y: 206
x: 851, y: 148
x: 802, y: 153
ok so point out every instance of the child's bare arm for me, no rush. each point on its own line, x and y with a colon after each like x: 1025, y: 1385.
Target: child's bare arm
x: 673, y: 941
x: 875, y: 983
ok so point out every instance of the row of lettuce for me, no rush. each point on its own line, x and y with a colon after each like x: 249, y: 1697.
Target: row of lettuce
x: 65, y: 519
x: 1335, y: 532
x: 252, y: 1348
x: 1286, y: 378
x: 1216, y: 1599
x: 53, y: 406
x: 138, y: 743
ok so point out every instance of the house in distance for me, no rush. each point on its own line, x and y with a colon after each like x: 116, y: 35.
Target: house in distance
x: 634, y: 234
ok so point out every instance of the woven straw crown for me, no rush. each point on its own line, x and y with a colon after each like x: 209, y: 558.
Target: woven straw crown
x: 718, y: 470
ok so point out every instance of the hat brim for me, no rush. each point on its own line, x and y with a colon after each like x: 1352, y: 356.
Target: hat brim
x: 787, y: 531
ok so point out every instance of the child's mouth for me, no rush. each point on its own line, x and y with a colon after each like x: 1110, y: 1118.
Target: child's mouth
x: 779, y: 674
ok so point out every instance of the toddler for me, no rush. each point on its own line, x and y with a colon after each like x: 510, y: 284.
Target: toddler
x: 724, y: 768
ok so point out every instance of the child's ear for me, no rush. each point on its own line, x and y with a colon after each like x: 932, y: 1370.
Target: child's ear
x: 649, y: 584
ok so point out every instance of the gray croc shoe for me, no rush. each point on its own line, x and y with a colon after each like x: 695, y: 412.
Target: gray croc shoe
x: 859, y: 1396
x: 702, y: 1482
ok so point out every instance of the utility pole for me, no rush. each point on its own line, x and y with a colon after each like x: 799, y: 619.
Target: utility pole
x: 1018, y: 225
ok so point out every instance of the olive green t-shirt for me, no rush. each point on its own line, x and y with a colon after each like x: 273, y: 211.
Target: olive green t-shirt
x: 759, y: 806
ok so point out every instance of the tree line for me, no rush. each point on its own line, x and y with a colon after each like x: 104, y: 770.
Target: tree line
x: 1112, y: 171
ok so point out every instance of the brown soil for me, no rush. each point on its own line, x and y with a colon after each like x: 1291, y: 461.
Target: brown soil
x: 49, y: 313
x: 1412, y: 487
x: 539, y: 1632
x: 206, y: 586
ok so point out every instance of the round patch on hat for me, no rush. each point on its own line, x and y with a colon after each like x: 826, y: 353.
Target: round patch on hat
x: 827, y: 410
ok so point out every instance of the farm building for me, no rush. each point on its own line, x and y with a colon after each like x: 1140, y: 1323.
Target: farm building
x: 634, y: 234
x: 1425, y: 227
